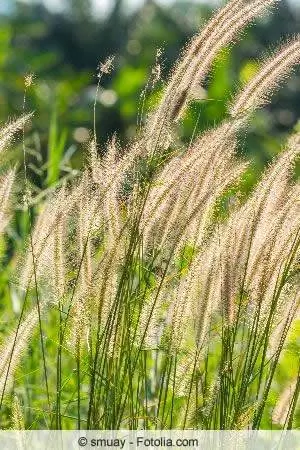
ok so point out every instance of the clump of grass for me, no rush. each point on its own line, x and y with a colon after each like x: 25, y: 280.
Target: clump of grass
x: 164, y: 315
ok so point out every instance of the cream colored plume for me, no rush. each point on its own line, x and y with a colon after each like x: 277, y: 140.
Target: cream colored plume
x: 177, y: 188
x: 273, y: 71
x: 17, y: 415
x: 196, y: 63
x: 248, y: 252
x: 6, y: 184
x: 7, y: 133
x: 280, y: 413
x: 13, y: 349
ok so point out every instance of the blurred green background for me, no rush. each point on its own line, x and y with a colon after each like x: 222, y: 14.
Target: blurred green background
x: 63, y: 42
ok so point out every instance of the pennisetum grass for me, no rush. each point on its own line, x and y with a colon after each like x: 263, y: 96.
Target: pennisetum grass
x: 164, y: 313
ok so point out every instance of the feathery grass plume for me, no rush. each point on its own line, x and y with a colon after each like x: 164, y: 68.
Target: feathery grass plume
x: 112, y: 178
x: 6, y: 135
x: 242, y: 14
x: 17, y: 415
x: 256, y: 93
x: 211, y: 398
x: 200, y: 290
x: 288, y: 312
x: 250, y: 249
x: 245, y: 417
x: 106, y: 282
x: 162, y: 319
x: 100, y: 184
x: 87, y: 224
x: 104, y: 212
x: 276, y: 203
x: 181, y: 314
x: 228, y: 129
x: 51, y: 236
x: 184, y: 371
x: 8, y: 131
x: 47, y: 246
x: 104, y: 68
x: 6, y: 183
x: 197, y: 61
x: 13, y: 348
x: 258, y: 237
x: 150, y: 327
x: 18, y: 423
x: 107, y: 66
x: 81, y: 309
x: 101, y: 219
x: 280, y: 415
x: 91, y: 210
x: 179, y: 205
x: 29, y: 79
x: 115, y: 172
x: 276, y: 69
x: 173, y: 216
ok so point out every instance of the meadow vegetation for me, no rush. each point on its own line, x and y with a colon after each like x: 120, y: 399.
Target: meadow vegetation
x: 151, y: 291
